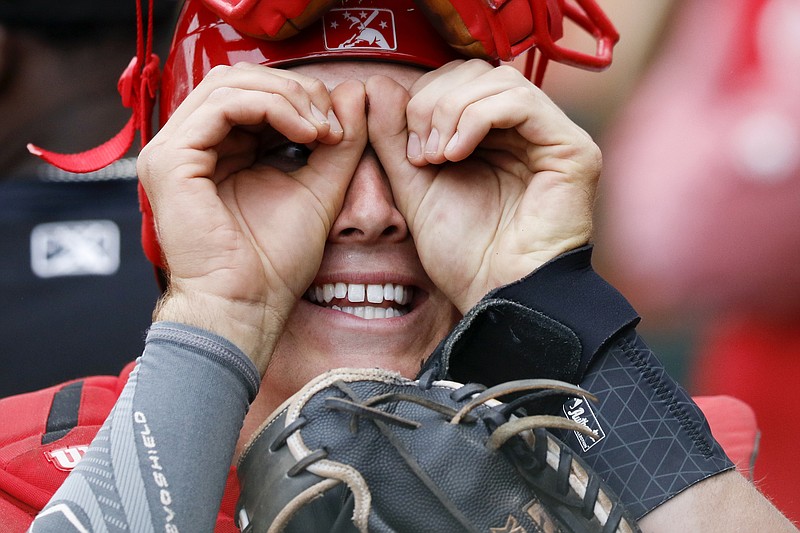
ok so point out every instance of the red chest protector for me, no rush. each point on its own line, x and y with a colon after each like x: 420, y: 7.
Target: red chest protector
x: 44, y: 433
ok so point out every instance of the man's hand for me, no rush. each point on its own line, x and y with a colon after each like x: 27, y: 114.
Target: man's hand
x: 493, y: 178
x: 242, y: 208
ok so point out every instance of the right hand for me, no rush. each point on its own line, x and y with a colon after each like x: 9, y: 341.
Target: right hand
x: 242, y: 228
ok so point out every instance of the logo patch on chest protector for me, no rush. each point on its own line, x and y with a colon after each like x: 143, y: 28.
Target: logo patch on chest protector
x: 65, y: 459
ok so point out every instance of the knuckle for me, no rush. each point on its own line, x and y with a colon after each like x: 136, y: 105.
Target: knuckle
x: 289, y: 86
x: 316, y: 87
x: 450, y: 107
x: 508, y: 72
x: 415, y: 112
x: 478, y: 64
x: 520, y: 94
x: 220, y: 95
x: 596, y: 155
x: 218, y: 71
x: 244, y: 65
x: 146, y: 162
x: 588, y: 153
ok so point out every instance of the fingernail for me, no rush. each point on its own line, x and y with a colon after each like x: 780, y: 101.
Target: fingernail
x: 414, y: 149
x: 432, y: 146
x: 336, y: 126
x: 318, y: 115
x: 451, y: 144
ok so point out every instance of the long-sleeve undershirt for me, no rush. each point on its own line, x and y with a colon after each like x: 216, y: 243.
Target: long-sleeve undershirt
x: 156, y: 465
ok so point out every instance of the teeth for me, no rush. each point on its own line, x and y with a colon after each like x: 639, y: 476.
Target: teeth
x: 369, y: 312
x: 401, y: 295
x: 327, y: 292
x: 375, y: 293
x: 359, y: 292
x: 340, y: 290
x: 355, y: 292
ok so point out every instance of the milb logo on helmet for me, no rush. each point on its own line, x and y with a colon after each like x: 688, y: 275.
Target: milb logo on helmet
x: 345, y: 29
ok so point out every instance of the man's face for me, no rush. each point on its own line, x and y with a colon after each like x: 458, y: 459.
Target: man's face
x: 371, y: 303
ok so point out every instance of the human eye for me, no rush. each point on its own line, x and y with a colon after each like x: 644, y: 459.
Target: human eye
x: 284, y: 155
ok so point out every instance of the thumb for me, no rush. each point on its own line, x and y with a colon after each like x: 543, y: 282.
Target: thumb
x: 388, y: 135
x: 330, y: 167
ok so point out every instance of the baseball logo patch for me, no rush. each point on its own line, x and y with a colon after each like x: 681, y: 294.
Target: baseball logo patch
x: 370, y: 28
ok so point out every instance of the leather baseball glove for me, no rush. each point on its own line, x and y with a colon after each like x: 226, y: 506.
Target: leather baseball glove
x: 368, y: 450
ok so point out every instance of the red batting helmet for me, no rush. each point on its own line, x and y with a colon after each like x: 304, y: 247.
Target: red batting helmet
x: 214, y: 32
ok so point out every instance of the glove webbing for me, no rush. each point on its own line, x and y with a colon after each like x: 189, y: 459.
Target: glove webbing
x: 501, y: 429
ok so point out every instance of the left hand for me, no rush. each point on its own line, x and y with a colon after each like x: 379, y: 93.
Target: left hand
x: 492, y: 177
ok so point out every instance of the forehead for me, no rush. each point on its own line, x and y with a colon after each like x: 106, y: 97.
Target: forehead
x: 332, y: 73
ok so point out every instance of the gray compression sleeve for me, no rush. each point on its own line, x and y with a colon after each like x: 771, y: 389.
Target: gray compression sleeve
x: 160, y: 461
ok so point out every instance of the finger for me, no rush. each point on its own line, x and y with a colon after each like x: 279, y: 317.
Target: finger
x: 389, y: 137
x: 437, y: 88
x: 195, y: 146
x: 309, y: 96
x: 455, y: 67
x: 473, y: 98
x: 331, y: 167
x: 228, y: 107
x: 511, y: 108
x: 237, y: 150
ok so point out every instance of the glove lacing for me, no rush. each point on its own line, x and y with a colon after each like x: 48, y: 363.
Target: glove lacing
x: 529, y: 450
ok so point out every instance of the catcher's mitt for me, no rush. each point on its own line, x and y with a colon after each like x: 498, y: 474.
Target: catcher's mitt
x: 368, y: 450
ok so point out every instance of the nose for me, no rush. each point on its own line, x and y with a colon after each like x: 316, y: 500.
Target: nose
x: 369, y: 212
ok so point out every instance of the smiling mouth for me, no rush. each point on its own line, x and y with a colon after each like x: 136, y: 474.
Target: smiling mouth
x: 368, y: 301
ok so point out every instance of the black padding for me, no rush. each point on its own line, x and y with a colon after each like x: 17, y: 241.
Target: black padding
x: 65, y: 327
x: 501, y: 341
x: 63, y: 415
x: 549, y: 324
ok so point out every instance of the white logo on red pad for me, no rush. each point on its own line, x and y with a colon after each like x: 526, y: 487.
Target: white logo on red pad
x: 370, y: 28
x: 65, y: 459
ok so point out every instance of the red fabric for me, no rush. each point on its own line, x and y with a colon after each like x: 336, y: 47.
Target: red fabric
x: 15, y: 516
x: 25, y: 472
x: 701, y: 171
x: 28, y: 478
x: 733, y: 424
x: 227, y: 509
x: 137, y: 86
x: 759, y: 362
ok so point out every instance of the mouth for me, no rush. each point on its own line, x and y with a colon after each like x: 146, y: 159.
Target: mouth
x: 369, y: 301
